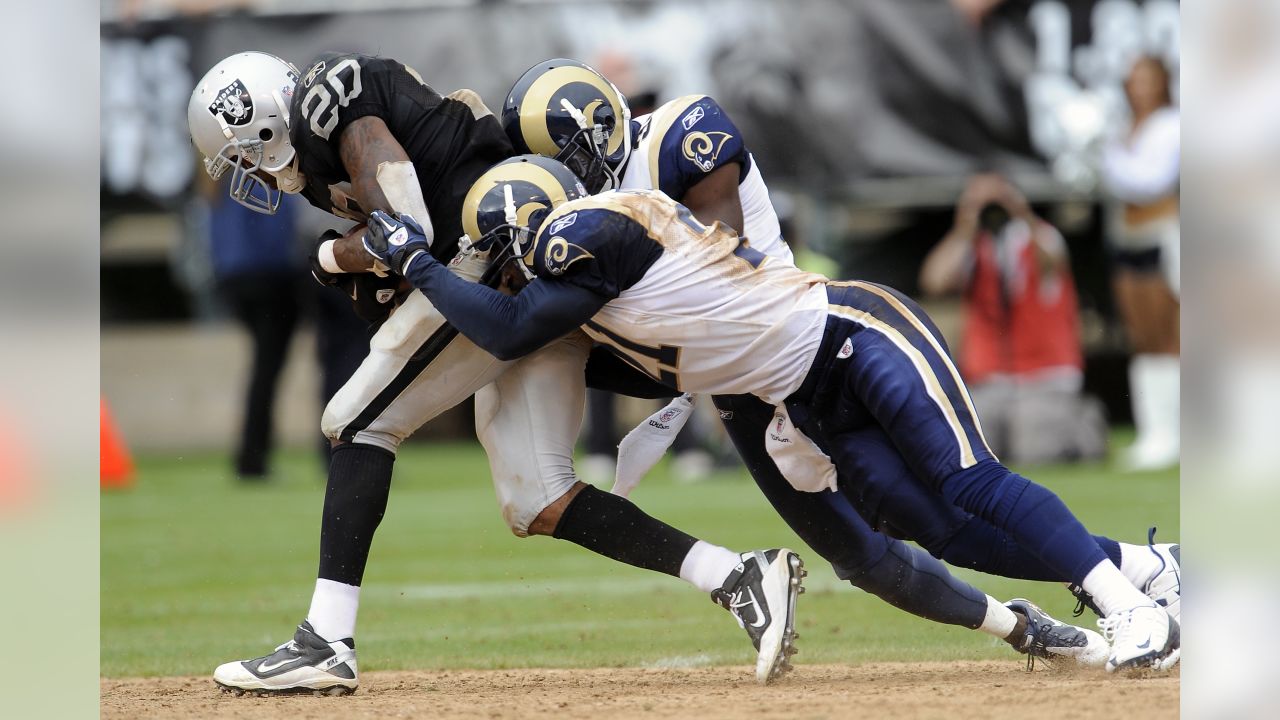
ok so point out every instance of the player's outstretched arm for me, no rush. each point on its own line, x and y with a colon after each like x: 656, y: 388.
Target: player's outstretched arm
x: 506, y: 327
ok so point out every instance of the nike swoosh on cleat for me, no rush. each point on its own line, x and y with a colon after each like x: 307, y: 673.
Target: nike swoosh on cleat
x: 759, y: 621
x: 1146, y: 644
x: 265, y: 668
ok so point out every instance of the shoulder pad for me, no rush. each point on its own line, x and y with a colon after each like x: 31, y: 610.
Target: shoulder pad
x: 564, y: 238
x: 688, y: 138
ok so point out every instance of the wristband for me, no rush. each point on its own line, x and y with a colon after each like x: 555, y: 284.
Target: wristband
x: 328, y: 261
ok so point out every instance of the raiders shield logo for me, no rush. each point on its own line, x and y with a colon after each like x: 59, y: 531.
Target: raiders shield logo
x: 233, y: 104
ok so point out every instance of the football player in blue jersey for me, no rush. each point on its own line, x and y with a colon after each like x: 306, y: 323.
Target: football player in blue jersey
x: 857, y: 372
x: 690, y: 149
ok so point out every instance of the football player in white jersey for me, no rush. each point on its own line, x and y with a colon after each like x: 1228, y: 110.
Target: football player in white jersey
x: 690, y: 149
x: 857, y: 371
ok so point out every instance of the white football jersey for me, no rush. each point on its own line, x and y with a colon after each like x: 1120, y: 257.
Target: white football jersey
x: 688, y: 137
x: 691, y: 306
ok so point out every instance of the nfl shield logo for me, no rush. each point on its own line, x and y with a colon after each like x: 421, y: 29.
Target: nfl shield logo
x: 845, y: 350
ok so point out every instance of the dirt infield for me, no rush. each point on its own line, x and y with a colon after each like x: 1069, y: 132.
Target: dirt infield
x: 877, y: 690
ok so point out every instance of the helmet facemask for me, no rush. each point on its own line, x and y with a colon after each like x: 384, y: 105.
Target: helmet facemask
x: 510, y: 241
x: 244, y: 159
x: 585, y: 153
x: 583, y: 156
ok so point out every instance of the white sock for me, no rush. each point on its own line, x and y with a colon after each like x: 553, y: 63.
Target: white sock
x: 1166, y: 383
x: 1154, y: 386
x: 1138, y: 563
x: 1000, y: 620
x: 706, y: 566
x: 333, y: 609
x: 1111, y: 590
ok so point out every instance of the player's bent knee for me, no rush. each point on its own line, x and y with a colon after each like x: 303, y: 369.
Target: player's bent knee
x: 522, y: 512
x: 332, y: 422
x: 548, y: 518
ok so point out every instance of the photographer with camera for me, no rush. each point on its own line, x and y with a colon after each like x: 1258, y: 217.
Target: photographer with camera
x: 1020, y: 348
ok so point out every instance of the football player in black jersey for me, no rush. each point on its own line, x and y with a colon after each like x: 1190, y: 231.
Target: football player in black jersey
x: 354, y: 134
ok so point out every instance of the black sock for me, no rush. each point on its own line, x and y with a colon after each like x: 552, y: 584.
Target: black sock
x: 615, y: 528
x: 354, y: 502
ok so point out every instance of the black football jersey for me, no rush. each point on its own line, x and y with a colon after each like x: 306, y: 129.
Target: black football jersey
x: 448, y: 145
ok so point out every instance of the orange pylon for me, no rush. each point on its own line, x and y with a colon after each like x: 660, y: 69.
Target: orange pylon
x: 116, y: 465
x: 16, y: 484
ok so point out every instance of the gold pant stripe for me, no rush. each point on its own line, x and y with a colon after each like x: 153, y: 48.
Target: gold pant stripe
x: 931, y: 383
x: 937, y: 347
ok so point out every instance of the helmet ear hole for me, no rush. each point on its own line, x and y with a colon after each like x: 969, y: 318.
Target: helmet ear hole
x: 265, y: 134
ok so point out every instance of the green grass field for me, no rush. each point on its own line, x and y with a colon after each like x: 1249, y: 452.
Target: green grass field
x: 198, y: 570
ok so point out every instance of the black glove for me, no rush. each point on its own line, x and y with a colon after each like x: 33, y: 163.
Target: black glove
x: 373, y: 297
x: 322, y: 276
x: 394, y: 239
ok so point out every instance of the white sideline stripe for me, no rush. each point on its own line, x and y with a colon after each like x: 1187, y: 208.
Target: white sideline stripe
x: 681, y: 661
x: 501, y: 629
x: 524, y: 588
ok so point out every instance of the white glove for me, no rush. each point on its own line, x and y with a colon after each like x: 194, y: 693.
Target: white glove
x: 645, y: 445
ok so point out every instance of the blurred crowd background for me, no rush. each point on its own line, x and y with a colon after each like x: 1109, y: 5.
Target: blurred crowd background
x: 881, y: 126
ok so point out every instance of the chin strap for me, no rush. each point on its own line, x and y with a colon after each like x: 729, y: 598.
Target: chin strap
x: 520, y: 234
x: 288, y: 179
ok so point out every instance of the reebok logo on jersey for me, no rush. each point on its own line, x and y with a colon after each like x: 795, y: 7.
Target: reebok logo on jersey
x: 846, y: 349
x: 692, y: 117
x: 312, y: 74
x: 562, y: 223
x: 726, y: 414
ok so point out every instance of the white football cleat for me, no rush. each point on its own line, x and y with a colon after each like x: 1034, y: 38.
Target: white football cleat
x: 1142, y: 637
x: 1165, y: 587
x: 306, y: 664
x: 761, y: 595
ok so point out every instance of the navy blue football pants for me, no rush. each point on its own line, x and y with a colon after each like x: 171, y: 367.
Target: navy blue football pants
x: 884, y: 400
x: 898, y: 573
